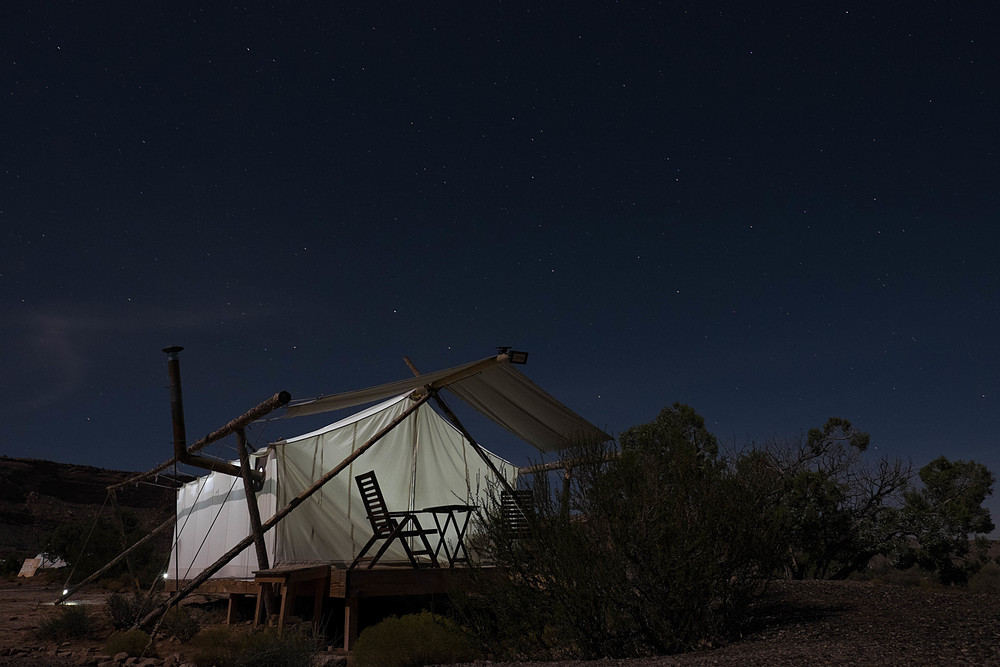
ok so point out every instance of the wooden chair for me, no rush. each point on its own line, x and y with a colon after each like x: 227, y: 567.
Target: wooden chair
x: 518, y: 511
x: 390, y: 526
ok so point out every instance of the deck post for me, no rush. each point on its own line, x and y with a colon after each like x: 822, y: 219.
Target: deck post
x: 231, y: 612
x: 350, y: 622
x: 320, y: 591
x: 258, y: 610
x: 287, y: 598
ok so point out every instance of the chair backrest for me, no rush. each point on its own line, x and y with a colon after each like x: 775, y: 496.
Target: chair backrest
x: 371, y: 495
x: 518, y: 511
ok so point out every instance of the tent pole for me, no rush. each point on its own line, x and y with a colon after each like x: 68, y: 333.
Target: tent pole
x: 472, y: 441
x: 453, y: 418
x: 282, y: 513
x: 254, y: 511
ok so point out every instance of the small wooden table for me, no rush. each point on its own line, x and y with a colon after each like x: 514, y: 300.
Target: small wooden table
x: 292, y: 580
x: 451, y: 514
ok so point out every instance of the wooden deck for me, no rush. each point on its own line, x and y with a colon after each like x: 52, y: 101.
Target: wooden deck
x: 323, y: 580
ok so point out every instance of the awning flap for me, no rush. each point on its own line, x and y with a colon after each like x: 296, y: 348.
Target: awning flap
x: 493, y: 387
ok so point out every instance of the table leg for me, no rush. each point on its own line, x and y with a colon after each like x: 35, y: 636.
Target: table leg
x: 442, y: 534
x: 460, y: 543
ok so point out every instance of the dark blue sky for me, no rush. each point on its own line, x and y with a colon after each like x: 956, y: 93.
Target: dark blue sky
x: 775, y: 215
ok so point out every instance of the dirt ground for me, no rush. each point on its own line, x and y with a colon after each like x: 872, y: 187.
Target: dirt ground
x: 810, y: 622
x: 26, y: 603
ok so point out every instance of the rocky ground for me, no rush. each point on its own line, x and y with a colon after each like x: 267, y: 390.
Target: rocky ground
x: 852, y: 623
x: 798, y: 623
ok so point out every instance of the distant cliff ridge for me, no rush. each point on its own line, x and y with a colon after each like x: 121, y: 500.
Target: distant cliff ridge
x: 36, y: 497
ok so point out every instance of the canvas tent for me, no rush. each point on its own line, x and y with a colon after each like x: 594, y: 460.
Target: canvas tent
x: 422, y: 462
x: 42, y: 561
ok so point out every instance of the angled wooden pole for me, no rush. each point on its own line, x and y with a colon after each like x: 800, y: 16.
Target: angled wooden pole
x: 282, y: 513
x: 159, y: 529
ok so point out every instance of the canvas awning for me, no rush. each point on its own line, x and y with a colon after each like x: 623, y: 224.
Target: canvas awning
x: 493, y: 387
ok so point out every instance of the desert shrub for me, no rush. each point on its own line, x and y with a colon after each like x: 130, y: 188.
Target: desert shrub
x: 133, y: 642
x: 656, y: 551
x: 839, y: 501
x: 69, y: 622
x: 271, y: 649
x: 124, y: 610
x: 944, y: 517
x: 224, y: 646
x: 215, y: 646
x: 411, y: 641
x: 179, y: 623
x: 986, y: 580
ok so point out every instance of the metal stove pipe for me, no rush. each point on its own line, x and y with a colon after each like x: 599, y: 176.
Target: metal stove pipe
x: 181, y: 452
x: 176, y: 400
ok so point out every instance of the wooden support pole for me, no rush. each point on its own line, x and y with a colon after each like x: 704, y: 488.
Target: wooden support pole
x: 568, y: 463
x: 280, y: 514
x: 159, y: 529
x: 249, y: 486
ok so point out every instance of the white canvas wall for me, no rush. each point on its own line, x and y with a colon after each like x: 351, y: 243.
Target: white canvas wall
x: 212, y: 516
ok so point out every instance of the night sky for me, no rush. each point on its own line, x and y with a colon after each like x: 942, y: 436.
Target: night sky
x: 776, y: 215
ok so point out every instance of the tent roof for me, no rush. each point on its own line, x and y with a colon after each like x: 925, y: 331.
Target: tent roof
x: 494, y: 388
x: 346, y: 421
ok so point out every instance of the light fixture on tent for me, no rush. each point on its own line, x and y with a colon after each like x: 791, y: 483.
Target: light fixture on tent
x: 513, y: 356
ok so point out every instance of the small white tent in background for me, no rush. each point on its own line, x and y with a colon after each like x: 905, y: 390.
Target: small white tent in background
x: 40, y: 562
x: 423, y: 462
